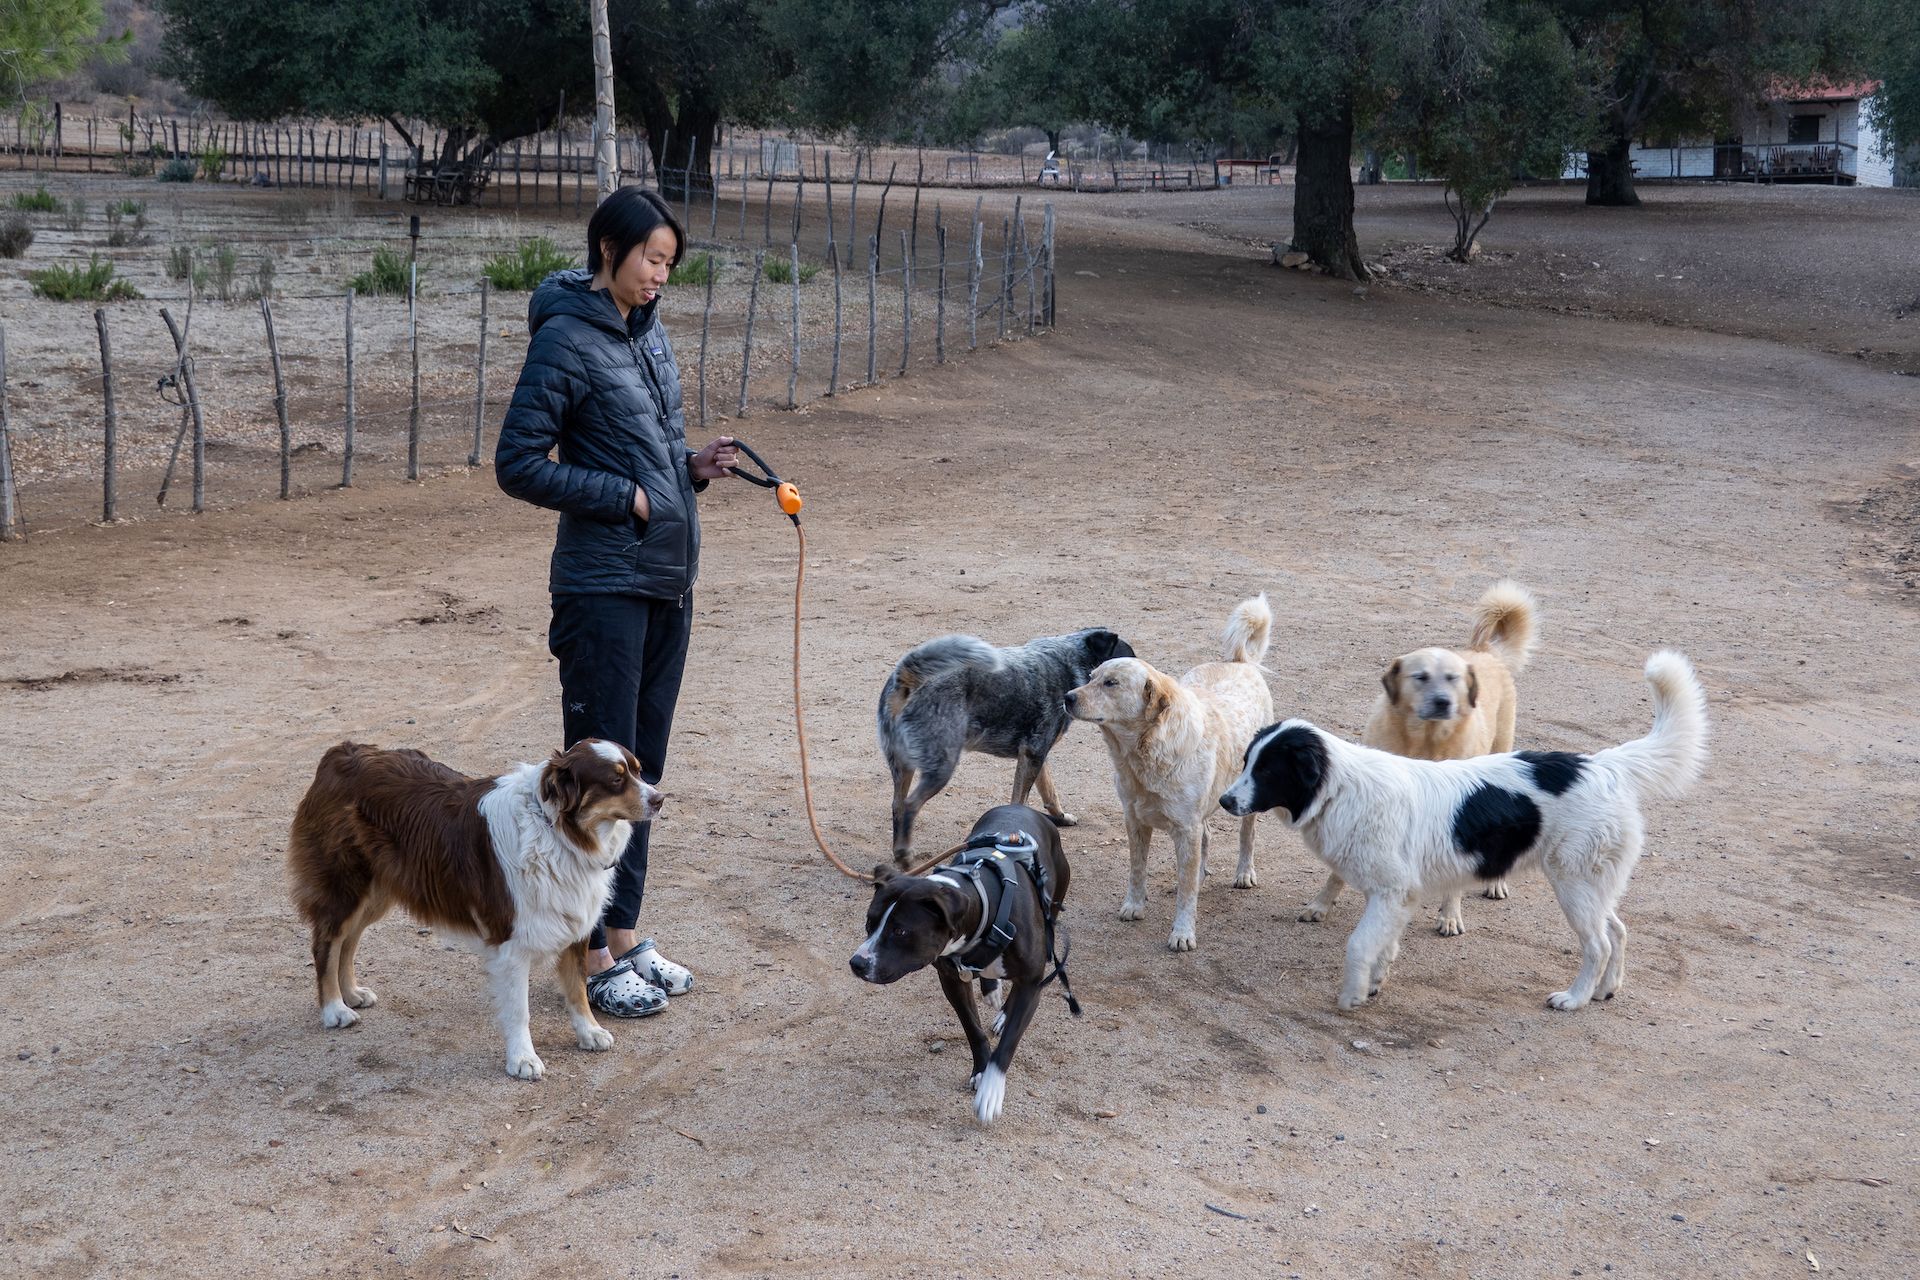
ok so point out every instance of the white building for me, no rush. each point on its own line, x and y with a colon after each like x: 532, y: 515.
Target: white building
x: 1802, y: 133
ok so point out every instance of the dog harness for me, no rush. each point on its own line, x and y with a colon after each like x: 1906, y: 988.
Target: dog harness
x: 992, y: 863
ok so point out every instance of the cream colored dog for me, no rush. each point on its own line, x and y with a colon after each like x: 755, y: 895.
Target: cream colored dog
x: 1176, y: 746
x: 1436, y: 704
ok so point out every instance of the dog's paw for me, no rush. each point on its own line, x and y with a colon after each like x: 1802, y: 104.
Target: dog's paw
x: 361, y: 998
x: 1497, y: 890
x: 989, y: 1094
x: 1350, y: 1000
x: 594, y: 1039
x: 1248, y: 879
x: 1451, y: 926
x: 999, y: 1021
x: 1132, y: 910
x: 337, y: 1015
x: 1181, y: 940
x: 1312, y: 913
x: 1563, y: 1000
x: 527, y: 1065
x: 1064, y: 820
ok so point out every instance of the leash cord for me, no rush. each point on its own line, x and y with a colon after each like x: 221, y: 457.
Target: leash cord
x: 800, y: 729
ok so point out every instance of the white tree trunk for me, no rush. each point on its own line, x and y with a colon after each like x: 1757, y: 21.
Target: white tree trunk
x: 605, y: 155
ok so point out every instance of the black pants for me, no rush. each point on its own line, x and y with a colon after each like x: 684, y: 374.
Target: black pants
x: 621, y: 659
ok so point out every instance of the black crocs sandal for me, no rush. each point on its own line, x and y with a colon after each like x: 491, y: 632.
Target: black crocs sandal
x: 621, y: 992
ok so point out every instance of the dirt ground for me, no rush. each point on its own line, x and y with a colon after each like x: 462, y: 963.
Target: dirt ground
x: 1202, y: 427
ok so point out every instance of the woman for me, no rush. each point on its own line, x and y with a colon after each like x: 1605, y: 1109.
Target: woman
x: 600, y: 386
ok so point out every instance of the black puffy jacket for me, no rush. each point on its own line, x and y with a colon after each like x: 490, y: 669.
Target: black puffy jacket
x: 606, y: 392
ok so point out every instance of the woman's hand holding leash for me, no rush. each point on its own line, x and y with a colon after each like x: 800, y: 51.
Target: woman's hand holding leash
x: 716, y: 460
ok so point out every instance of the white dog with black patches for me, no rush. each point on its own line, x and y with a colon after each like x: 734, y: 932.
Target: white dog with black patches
x: 1400, y: 829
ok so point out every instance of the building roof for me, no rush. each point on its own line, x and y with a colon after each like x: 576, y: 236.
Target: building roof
x: 1821, y: 90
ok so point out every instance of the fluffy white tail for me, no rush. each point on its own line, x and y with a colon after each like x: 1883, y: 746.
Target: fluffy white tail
x: 1249, y: 627
x: 1665, y: 762
x: 1504, y: 619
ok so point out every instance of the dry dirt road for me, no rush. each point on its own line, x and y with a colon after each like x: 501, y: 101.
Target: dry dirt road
x: 1203, y: 427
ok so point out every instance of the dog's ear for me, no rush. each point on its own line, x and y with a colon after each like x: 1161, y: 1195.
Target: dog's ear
x: 1155, y: 697
x: 882, y: 873
x: 1102, y: 644
x: 559, y: 785
x: 1473, y: 685
x: 1391, y: 683
x: 949, y: 902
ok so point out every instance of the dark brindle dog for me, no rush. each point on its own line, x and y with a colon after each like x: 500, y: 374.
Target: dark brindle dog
x: 988, y: 914
x: 959, y: 693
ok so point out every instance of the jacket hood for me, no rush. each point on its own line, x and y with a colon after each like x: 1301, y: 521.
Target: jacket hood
x: 571, y: 293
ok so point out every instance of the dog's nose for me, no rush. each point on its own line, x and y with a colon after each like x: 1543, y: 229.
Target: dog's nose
x: 861, y: 965
x: 1073, y: 699
x: 1443, y: 704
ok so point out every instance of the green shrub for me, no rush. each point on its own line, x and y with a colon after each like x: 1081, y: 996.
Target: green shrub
x: 526, y: 266
x: 389, y: 274
x: 75, y: 216
x: 213, y: 162
x: 260, y: 284
x: 214, y: 270
x: 177, y: 171
x: 91, y: 283
x: 121, y: 232
x: 16, y: 234
x: 39, y: 200
x: 137, y: 166
x: 692, y: 270
x: 780, y: 271
x: 180, y: 262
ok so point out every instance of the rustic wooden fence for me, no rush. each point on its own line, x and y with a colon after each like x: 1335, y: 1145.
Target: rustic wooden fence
x: 954, y: 284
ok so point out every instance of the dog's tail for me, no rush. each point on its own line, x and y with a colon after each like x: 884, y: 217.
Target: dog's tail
x: 928, y: 662
x: 1249, y: 627
x: 1505, y: 620
x: 1665, y: 762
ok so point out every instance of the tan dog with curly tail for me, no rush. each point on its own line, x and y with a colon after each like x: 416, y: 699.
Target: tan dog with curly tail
x: 1437, y: 704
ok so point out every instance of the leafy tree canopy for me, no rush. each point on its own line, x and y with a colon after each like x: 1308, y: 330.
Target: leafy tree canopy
x: 42, y: 40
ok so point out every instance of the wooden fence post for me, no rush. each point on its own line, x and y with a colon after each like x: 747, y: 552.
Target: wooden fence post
x: 413, y: 344
x: 109, y: 497
x: 346, y: 454
x: 686, y: 185
x: 906, y: 301
x: 833, y: 376
x: 1047, y: 251
x: 743, y: 203
x: 873, y: 307
x: 880, y: 219
x: 480, y: 378
x: 383, y: 165
x: 706, y: 330
x: 940, y: 306
x: 793, y: 373
x: 746, y: 350
x: 183, y: 374
x: 279, y: 402
x: 1007, y: 275
x: 975, y: 265
x: 10, y: 526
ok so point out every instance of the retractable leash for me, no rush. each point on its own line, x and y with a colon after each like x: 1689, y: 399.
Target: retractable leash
x: 787, y: 495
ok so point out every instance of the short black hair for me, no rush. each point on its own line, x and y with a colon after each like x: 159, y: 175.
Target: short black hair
x: 628, y: 217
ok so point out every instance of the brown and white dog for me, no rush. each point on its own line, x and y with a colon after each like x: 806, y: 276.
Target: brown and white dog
x: 1436, y: 704
x: 1175, y: 746
x: 520, y: 864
